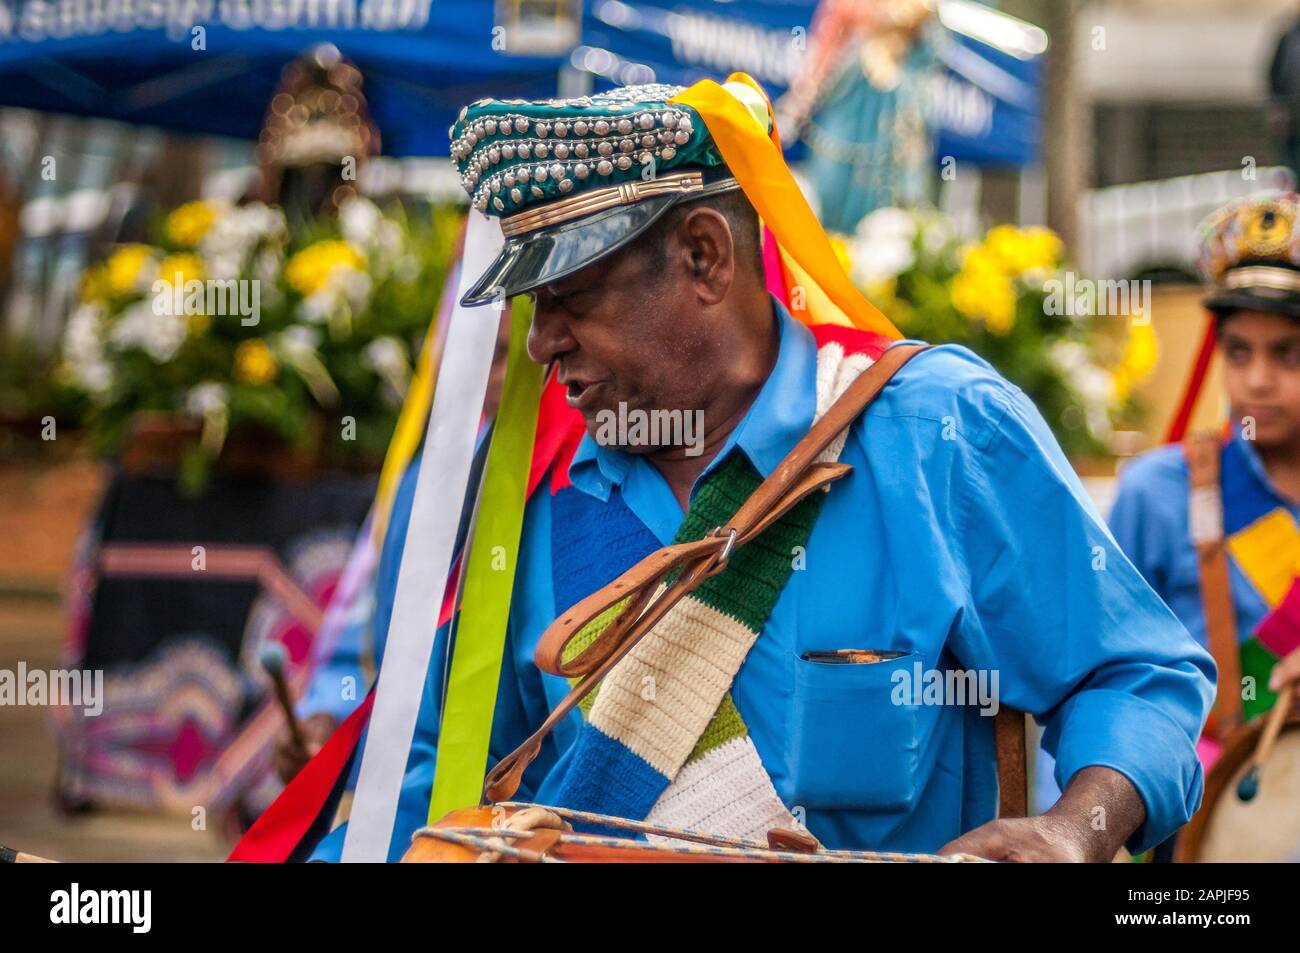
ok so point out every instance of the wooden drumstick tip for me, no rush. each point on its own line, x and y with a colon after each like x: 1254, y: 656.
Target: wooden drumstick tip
x: 272, y: 657
x: 1248, y: 786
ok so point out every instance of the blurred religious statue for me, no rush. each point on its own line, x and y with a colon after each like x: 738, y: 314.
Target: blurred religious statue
x: 859, y: 104
x: 316, y: 137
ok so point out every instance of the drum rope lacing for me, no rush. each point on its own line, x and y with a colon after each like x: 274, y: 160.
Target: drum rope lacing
x: 494, y: 842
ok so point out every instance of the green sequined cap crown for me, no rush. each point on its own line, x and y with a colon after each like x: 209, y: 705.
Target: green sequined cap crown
x: 514, y: 154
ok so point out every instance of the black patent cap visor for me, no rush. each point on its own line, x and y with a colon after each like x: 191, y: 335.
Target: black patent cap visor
x: 1269, y: 300
x: 549, y: 254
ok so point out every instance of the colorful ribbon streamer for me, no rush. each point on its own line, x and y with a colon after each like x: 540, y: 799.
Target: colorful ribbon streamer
x: 489, y: 581
x: 753, y: 154
x: 444, y: 473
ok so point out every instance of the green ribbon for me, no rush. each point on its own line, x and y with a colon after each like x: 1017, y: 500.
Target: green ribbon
x: 489, y: 581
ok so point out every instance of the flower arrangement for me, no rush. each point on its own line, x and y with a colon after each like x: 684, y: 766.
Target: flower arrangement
x: 993, y: 295
x: 230, y: 323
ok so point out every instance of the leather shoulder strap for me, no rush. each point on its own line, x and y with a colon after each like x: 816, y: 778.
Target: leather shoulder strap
x: 1013, y: 772
x: 1205, y: 519
x: 646, y: 587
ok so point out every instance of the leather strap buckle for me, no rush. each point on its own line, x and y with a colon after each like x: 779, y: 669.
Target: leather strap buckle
x: 725, y: 554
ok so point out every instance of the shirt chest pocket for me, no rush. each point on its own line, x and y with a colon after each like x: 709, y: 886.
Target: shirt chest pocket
x: 853, y: 740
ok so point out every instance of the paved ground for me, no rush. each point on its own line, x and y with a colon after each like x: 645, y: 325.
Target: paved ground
x: 42, y: 511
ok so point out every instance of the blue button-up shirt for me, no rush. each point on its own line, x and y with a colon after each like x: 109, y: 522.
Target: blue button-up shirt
x: 1150, y: 519
x: 962, y: 540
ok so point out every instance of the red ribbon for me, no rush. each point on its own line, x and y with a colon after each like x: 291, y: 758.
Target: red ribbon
x: 283, y: 825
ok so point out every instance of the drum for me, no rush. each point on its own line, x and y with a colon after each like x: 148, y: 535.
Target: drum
x: 525, y: 833
x: 1265, y: 829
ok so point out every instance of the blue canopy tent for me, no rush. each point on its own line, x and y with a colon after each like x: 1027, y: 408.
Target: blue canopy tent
x: 210, y: 66
x: 987, y: 98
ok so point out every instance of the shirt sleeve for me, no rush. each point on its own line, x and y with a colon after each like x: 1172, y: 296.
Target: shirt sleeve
x: 1067, y: 624
x: 1148, y: 515
x: 338, y: 683
x: 366, y: 628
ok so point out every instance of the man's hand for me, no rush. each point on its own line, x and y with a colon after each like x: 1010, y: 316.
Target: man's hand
x: 1098, y: 811
x: 290, y: 757
x: 1287, y: 672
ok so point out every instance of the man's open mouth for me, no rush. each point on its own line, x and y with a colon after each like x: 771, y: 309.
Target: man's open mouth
x: 579, y: 393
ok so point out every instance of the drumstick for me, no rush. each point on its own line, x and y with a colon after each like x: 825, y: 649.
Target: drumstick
x: 1248, y: 786
x: 10, y: 856
x: 272, y: 658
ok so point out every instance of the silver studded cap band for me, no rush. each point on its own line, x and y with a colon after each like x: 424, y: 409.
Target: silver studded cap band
x: 595, y: 200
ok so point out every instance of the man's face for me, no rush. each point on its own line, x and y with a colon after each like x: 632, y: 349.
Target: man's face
x: 627, y: 330
x: 1262, y: 373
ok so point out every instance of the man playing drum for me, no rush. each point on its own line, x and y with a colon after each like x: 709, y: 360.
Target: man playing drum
x: 1211, y: 524
x: 795, y: 687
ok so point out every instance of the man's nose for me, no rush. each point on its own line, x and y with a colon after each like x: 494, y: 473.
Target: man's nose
x: 548, y: 334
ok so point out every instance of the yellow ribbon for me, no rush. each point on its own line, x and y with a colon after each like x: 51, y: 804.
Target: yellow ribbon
x: 406, y: 435
x: 754, y: 157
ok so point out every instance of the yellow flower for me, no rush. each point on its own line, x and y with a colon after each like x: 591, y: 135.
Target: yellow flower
x: 310, y: 269
x: 254, y: 362
x: 184, y: 264
x: 198, y: 324
x: 123, y: 268
x: 1021, y: 251
x: 1141, y: 352
x: 982, y: 290
x: 187, y: 225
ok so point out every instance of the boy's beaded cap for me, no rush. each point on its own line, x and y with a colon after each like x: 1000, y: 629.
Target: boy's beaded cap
x: 1250, y: 254
x: 513, y: 154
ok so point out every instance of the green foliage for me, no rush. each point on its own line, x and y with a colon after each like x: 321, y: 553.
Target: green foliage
x: 324, y: 326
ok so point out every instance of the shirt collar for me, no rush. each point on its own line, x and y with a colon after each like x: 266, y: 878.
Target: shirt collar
x: 779, y: 416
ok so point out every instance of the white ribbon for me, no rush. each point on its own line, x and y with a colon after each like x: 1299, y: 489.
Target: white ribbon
x: 426, y: 558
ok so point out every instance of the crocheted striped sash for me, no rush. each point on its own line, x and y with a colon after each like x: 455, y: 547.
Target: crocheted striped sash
x: 662, y: 739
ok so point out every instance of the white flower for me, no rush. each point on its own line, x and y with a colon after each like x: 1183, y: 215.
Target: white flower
x: 390, y: 240
x: 298, y: 341
x: 386, y: 356
x: 937, y: 233
x: 236, y: 233
x: 205, y: 398
x: 1093, y: 385
x: 95, y: 378
x: 317, y: 307
x: 354, y: 284
x: 83, y: 349
x: 882, y: 246
x: 158, y: 335
x: 359, y: 221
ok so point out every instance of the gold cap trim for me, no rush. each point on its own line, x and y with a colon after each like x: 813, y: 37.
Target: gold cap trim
x: 597, y: 200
